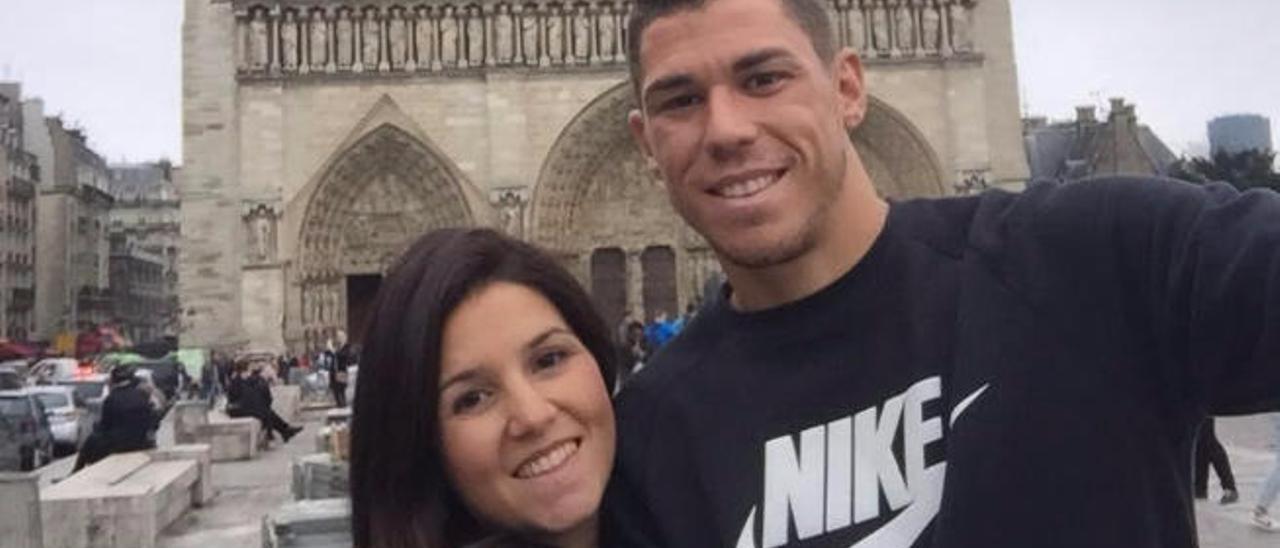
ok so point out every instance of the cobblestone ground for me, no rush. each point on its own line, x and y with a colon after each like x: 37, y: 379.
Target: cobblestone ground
x: 247, y: 491
x: 1247, y: 440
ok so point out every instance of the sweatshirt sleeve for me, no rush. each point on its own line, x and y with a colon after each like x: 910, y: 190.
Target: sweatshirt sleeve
x: 1201, y: 264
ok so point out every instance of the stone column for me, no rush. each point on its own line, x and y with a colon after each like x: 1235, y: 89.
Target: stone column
x: 635, y: 284
x: 20, y: 525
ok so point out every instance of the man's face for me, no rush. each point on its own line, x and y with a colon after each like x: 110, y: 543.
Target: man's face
x: 747, y: 126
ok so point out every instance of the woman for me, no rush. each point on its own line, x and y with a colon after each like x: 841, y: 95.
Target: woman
x: 482, y: 414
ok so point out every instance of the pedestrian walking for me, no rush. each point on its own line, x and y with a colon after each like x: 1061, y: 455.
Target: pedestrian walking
x: 1209, y: 451
x: 1271, y: 486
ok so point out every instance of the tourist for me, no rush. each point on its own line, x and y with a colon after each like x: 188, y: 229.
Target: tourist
x: 482, y: 414
x: 250, y: 396
x: 1043, y: 358
x: 1209, y: 451
x: 1271, y: 485
x: 128, y: 422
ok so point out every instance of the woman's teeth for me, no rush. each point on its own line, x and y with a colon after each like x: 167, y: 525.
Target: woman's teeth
x: 549, y: 461
x: 748, y: 187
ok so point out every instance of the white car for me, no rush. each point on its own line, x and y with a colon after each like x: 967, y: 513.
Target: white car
x: 53, y: 370
x: 68, y: 420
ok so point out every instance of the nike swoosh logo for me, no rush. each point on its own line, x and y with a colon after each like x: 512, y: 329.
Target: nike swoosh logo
x: 966, y: 402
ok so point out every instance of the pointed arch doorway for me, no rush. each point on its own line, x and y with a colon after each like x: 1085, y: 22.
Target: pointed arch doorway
x: 377, y: 197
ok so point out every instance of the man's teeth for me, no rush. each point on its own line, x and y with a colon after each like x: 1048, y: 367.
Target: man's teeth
x: 748, y: 187
x: 549, y: 461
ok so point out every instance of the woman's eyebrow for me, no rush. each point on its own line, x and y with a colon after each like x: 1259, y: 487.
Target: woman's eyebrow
x: 461, y: 376
x: 542, y: 337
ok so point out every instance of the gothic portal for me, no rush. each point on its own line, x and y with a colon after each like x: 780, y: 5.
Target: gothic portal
x: 323, y: 136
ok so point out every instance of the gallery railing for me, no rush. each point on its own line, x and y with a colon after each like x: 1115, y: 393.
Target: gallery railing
x: 278, y: 38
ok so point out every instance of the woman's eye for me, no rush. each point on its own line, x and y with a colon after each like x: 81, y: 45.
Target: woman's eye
x: 470, y: 401
x: 550, y: 359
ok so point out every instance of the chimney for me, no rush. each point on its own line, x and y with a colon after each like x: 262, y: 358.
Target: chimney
x: 1086, y: 115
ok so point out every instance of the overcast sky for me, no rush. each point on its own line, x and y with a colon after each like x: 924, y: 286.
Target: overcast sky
x: 114, y: 67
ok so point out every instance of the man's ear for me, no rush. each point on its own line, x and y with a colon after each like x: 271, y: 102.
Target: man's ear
x: 851, y: 87
x: 636, y: 123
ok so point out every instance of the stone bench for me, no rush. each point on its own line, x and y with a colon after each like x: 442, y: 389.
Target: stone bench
x: 20, y: 525
x: 340, y: 415
x: 126, y: 499
x: 320, y: 476
x: 324, y: 523
x: 230, y: 439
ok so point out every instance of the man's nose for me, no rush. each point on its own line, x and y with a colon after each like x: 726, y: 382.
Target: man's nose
x: 529, y: 410
x: 730, y: 124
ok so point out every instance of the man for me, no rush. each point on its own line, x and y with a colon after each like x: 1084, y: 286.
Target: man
x: 250, y: 396
x: 1003, y: 370
x: 128, y: 422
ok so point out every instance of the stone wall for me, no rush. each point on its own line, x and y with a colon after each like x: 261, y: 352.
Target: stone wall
x: 271, y: 117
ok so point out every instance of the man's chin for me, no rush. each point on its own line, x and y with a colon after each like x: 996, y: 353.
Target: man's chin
x: 761, y: 253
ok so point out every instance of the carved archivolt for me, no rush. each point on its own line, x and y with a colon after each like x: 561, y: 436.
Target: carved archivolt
x: 281, y: 38
x: 381, y: 195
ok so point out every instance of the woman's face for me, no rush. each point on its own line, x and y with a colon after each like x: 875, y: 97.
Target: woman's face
x: 525, y: 418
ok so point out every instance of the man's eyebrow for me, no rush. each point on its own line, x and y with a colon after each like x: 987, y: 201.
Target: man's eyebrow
x: 667, y: 82
x: 759, y: 57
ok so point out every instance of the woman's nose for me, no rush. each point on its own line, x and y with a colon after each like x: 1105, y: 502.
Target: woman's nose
x: 530, y: 411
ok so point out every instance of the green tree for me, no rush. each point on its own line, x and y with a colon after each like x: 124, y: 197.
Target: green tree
x: 1243, y: 170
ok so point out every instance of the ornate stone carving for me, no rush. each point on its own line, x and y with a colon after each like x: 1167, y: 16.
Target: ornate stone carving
x: 289, y: 41
x: 511, y: 203
x: 260, y: 232
x: 381, y: 38
x: 959, y: 19
x: 972, y: 181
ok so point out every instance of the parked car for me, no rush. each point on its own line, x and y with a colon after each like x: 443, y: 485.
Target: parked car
x: 91, y: 390
x: 26, y: 442
x: 54, y: 370
x: 11, y: 379
x: 68, y: 420
x: 22, y: 366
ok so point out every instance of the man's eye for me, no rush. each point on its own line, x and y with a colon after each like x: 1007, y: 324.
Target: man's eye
x: 550, y: 359
x: 679, y: 102
x: 765, y: 80
x: 470, y: 401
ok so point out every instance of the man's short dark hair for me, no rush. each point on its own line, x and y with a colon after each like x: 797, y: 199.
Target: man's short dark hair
x: 810, y: 15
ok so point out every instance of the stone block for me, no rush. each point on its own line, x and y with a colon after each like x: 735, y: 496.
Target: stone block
x: 188, y: 416
x: 203, y: 491
x: 319, y: 476
x: 230, y: 439
x: 20, y: 525
x: 308, y: 523
x: 286, y: 400
x: 124, y: 500
x: 341, y: 415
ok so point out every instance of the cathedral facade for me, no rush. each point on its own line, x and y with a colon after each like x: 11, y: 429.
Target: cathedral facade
x: 321, y: 137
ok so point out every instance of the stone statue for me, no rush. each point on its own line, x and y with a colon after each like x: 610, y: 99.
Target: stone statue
x: 853, y: 25
x: 960, y: 14
x: 317, y: 40
x: 344, y: 48
x: 530, y: 34
x: 259, y: 41
x: 504, y: 35
x: 553, y: 25
x: 475, y: 37
x: 879, y: 28
x: 424, y: 29
x: 289, y: 42
x: 930, y: 27
x: 371, y: 41
x: 904, y: 28
x: 260, y: 225
x: 511, y: 205
x: 397, y: 39
x: 449, y: 37
x: 581, y: 35
x: 607, y: 26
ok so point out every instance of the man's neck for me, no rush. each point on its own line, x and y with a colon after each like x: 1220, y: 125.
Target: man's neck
x: 850, y: 228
